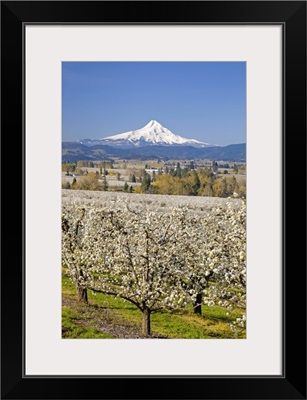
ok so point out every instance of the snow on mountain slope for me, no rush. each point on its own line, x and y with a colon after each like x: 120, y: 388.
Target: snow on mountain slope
x: 151, y: 134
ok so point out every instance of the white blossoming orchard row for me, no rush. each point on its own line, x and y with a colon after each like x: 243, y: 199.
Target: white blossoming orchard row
x: 157, y: 260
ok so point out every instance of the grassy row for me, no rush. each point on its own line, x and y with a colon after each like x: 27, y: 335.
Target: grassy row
x: 80, y: 322
x: 72, y: 330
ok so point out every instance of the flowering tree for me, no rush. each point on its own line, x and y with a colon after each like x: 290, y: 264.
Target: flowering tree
x: 215, y: 262
x: 138, y: 258
x: 195, y: 246
x: 76, y: 253
x: 157, y: 260
x: 227, y: 257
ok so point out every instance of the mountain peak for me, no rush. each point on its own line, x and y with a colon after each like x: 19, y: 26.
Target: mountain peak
x: 152, y: 123
x: 151, y: 134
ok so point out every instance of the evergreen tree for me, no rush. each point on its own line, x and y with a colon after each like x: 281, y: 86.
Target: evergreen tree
x: 192, y: 165
x: 104, y: 183
x: 232, y: 186
x: 178, y: 170
x: 214, y: 166
x: 145, y: 182
x: 196, y: 182
x: 224, y: 188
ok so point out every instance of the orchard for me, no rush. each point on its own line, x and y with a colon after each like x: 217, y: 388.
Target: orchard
x: 157, y: 260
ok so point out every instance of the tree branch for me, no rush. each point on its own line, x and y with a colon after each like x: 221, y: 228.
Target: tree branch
x: 116, y: 295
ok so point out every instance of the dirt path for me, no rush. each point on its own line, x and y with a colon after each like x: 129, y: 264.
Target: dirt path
x: 105, y: 320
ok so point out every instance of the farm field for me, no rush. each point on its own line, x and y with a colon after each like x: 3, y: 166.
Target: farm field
x: 171, y: 178
x: 111, y: 179
x: 156, y: 202
x: 124, y: 230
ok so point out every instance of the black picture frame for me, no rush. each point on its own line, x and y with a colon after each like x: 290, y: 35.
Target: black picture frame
x: 292, y: 383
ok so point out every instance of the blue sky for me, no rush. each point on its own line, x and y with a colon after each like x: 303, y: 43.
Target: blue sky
x: 200, y: 100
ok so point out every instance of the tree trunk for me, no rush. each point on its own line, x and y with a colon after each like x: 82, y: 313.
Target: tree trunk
x: 197, y: 304
x: 146, y: 322
x: 82, y: 294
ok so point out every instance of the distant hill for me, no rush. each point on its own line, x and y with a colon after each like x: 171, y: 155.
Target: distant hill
x: 74, y: 151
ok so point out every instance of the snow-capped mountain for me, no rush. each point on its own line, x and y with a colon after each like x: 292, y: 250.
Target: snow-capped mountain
x: 152, y: 134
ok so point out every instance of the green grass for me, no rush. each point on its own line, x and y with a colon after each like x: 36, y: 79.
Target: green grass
x: 70, y: 328
x: 213, y: 324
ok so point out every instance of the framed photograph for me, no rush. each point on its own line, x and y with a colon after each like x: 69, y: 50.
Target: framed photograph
x: 163, y: 154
